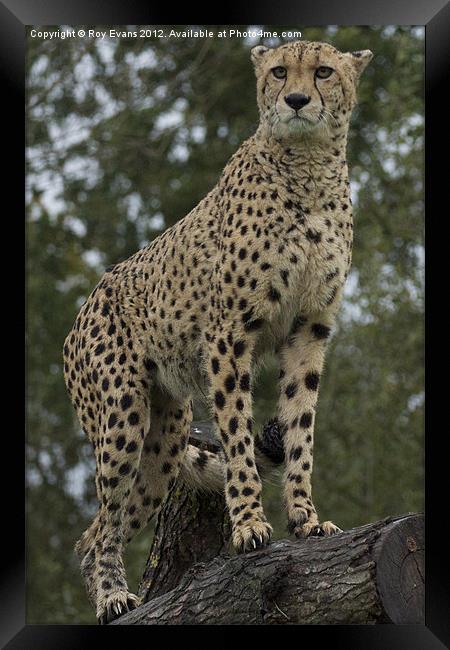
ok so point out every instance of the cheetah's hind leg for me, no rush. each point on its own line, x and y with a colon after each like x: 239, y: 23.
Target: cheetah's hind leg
x: 123, y: 425
x: 163, y: 449
x: 163, y: 453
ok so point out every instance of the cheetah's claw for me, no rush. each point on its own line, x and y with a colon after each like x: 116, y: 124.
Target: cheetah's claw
x: 255, y: 542
x: 252, y: 537
x: 116, y: 606
x: 317, y: 530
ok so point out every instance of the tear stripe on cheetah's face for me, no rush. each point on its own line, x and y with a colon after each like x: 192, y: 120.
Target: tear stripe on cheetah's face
x: 332, y: 98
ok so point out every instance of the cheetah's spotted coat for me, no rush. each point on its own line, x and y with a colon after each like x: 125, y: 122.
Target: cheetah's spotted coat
x: 258, y: 265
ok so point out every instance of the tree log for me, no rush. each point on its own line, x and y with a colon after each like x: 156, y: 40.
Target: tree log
x: 367, y: 575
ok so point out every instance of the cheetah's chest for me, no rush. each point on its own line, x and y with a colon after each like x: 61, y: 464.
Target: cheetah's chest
x: 320, y: 278
x: 307, y: 287
x: 324, y: 262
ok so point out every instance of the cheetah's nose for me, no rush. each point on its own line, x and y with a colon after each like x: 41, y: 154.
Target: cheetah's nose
x: 297, y: 100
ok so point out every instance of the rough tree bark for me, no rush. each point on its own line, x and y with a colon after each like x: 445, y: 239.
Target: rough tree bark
x: 370, y: 574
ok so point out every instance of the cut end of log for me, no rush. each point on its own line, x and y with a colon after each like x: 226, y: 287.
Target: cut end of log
x: 400, y: 554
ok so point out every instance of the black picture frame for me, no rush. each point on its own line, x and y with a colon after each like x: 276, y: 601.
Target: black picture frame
x: 14, y: 17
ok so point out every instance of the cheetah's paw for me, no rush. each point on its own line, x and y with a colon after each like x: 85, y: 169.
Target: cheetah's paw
x: 251, y: 535
x: 115, y: 605
x: 317, y: 530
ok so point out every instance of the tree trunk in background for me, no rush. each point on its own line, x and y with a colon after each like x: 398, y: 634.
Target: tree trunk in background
x: 367, y: 575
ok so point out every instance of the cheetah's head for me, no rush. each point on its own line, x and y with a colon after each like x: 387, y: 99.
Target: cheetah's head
x: 306, y: 88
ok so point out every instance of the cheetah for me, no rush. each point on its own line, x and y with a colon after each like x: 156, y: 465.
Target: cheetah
x: 257, y: 266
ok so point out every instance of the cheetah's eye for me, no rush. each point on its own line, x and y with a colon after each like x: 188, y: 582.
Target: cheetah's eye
x: 323, y: 72
x: 279, y: 72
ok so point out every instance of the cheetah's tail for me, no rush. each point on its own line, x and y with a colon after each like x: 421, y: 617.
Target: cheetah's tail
x: 205, y: 469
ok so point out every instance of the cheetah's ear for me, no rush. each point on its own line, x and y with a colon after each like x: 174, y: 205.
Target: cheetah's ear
x: 257, y: 53
x: 360, y: 60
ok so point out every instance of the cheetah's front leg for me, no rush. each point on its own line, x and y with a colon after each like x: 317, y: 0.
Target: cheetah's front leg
x: 301, y: 363
x: 230, y: 355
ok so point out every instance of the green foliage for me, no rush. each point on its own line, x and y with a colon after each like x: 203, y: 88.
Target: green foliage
x: 124, y: 138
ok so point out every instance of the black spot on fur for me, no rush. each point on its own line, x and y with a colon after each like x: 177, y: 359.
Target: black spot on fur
x: 274, y: 294
x: 221, y: 346
x: 233, y: 425
x: 112, y: 420
x: 306, y: 420
x: 313, y: 236
x: 296, y: 453
x: 320, y: 331
x: 133, y: 418
x: 312, y: 380
x: 126, y: 401
x: 245, y: 382
x: 120, y: 442
x: 291, y: 389
x: 219, y: 399
x: 230, y: 383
